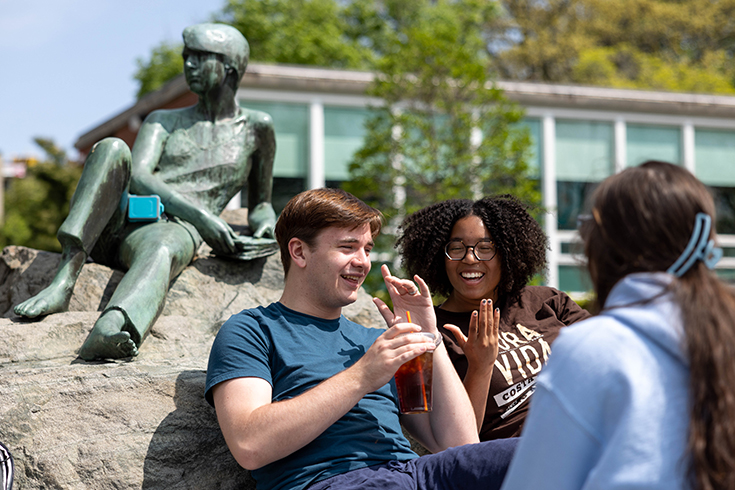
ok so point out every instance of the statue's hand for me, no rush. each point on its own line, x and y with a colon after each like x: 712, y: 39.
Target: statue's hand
x: 218, y: 235
x: 262, y: 220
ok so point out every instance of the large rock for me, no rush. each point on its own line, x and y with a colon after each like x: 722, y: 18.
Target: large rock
x: 71, y: 424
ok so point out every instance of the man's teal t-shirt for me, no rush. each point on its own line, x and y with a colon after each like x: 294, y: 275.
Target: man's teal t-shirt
x: 295, y: 352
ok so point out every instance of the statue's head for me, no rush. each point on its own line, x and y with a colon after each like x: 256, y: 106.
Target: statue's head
x: 221, y: 39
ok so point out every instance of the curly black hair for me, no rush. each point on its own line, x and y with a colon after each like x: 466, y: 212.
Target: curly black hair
x: 517, y: 236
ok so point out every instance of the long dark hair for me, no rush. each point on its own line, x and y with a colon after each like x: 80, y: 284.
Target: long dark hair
x: 642, y: 221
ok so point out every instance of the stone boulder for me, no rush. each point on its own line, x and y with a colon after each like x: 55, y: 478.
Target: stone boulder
x: 71, y: 424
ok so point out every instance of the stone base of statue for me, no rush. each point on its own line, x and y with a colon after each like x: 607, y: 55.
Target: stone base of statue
x: 126, y: 425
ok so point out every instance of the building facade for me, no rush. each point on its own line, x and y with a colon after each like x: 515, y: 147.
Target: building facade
x: 580, y: 136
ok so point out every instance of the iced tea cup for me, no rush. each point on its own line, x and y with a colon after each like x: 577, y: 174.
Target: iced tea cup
x: 414, y: 380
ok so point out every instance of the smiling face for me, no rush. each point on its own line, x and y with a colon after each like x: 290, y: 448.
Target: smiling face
x: 337, y: 266
x: 472, y: 280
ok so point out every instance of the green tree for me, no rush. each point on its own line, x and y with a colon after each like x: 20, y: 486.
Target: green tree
x: 445, y: 131
x: 164, y: 64
x: 36, y: 205
x: 535, y: 40
x: 652, y: 44
x: 305, y: 32
x: 328, y: 33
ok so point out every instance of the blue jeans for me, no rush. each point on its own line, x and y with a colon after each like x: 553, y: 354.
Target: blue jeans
x: 480, y: 466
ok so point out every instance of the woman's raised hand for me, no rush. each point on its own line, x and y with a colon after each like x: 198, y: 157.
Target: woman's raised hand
x: 480, y: 346
x: 407, y: 296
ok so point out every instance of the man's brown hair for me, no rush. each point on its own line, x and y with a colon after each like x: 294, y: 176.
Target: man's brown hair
x: 308, y: 213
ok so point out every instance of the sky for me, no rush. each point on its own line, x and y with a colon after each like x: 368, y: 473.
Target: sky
x: 68, y: 65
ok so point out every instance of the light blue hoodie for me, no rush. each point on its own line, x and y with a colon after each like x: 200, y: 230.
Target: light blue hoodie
x: 611, y: 408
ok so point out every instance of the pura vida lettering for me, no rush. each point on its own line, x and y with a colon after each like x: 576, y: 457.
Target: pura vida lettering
x: 525, y: 352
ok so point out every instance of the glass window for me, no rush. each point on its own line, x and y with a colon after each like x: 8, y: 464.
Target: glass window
x: 534, y: 162
x: 724, y: 209
x: 344, y: 130
x: 574, y: 279
x: 291, y: 122
x: 584, y: 157
x: 284, y: 188
x: 652, y: 143
x: 714, y: 163
x: 714, y: 157
x: 584, y: 151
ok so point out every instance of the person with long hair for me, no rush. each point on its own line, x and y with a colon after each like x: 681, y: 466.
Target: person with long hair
x: 479, y: 256
x: 643, y: 394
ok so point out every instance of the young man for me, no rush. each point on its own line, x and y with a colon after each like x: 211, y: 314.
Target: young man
x: 304, y: 396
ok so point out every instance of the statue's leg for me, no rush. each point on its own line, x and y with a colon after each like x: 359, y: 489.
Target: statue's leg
x: 97, y: 203
x: 155, y: 254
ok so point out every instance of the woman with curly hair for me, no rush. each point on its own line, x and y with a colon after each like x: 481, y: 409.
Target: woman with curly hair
x: 643, y: 394
x: 480, y: 256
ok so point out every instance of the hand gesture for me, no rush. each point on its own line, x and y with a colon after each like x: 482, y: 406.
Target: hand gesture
x: 481, y: 345
x: 406, y: 296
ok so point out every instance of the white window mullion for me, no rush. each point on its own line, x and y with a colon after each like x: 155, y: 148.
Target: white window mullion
x: 621, y: 145
x: 687, y: 145
x: 548, y: 140
x: 316, y: 175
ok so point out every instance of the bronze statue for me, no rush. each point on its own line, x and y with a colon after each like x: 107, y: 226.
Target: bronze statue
x: 196, y: 159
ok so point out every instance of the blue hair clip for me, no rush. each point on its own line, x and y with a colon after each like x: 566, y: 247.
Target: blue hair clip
x: 700, y: 247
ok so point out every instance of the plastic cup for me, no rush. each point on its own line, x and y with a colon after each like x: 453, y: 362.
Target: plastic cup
x: 414, y: 380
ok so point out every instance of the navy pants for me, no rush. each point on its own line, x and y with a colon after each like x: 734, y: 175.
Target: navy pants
x: 480, y: 466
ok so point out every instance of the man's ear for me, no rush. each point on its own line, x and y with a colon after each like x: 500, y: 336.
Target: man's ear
x: 298, y: 250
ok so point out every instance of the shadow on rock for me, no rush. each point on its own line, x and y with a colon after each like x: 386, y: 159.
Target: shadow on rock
x: 187, y: 450
x: 231, y: 271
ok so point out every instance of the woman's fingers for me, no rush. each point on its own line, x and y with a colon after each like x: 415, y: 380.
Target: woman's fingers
x: 400, y: 287
x: 496, y: 324
x: 385, y: 311
x: 459, y: 337
x: 482, y: 321
x: 485, y: 317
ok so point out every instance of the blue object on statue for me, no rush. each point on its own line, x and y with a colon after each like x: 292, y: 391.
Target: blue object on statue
x: 144, y: 208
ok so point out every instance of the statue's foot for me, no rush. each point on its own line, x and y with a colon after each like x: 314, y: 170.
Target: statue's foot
x: 53, y: 299
x: 107, y: 340
x: 56, y: 296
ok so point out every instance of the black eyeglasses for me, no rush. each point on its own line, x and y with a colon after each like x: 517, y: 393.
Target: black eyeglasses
x: 482, y: 250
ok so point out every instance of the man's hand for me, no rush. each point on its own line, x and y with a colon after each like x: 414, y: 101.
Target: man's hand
x: 389, y: 351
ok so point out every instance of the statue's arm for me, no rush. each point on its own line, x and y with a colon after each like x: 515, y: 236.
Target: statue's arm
x: 147, y: 153
x: 261, y: 216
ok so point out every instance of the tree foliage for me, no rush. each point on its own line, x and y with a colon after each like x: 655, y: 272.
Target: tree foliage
x: 444, y: 131
x: 35, y: 206
x: 678, y: 45
x: 305, y: 32
x: 326, y: 33
x: 164, y: 64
